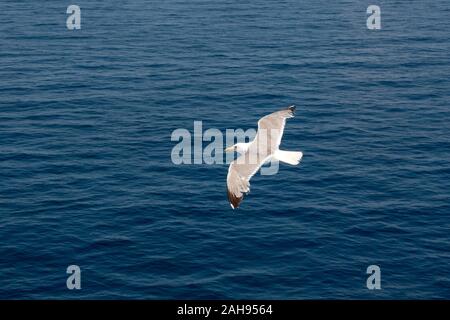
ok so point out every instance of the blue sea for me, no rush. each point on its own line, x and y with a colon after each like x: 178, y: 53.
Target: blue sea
x: 86, y: 176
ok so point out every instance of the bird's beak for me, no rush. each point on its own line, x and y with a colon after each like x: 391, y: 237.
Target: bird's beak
x: 229, y: 149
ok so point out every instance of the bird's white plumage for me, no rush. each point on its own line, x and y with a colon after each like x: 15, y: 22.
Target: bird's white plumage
x: 262, y: 149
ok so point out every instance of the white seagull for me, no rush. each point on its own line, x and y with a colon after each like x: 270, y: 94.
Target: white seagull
x: 263, y: 148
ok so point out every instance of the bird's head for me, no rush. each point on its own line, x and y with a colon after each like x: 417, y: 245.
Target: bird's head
x: 230, y: 148
x: 238, y: 147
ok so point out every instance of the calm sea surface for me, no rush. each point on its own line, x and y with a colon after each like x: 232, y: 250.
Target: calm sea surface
x: 86, y: 175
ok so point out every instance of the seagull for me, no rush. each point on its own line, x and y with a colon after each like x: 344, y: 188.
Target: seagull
x: 263, y: 148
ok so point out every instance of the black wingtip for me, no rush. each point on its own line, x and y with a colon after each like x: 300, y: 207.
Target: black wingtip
x: 234, y: 201
x: 292, y: 108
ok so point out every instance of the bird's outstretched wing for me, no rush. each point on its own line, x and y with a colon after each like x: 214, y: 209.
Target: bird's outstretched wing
x: 271, y: 128
x: 240, y: 172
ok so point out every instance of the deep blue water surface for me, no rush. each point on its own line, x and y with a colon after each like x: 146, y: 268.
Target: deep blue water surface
x: 86, y: 176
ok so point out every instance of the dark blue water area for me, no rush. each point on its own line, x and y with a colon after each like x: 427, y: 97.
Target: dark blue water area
x: 86, y: 176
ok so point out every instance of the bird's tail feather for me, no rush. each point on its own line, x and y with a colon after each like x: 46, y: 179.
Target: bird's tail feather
x: 290, y: 157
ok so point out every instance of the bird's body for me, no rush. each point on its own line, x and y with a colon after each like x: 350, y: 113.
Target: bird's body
x: 254, y: 154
